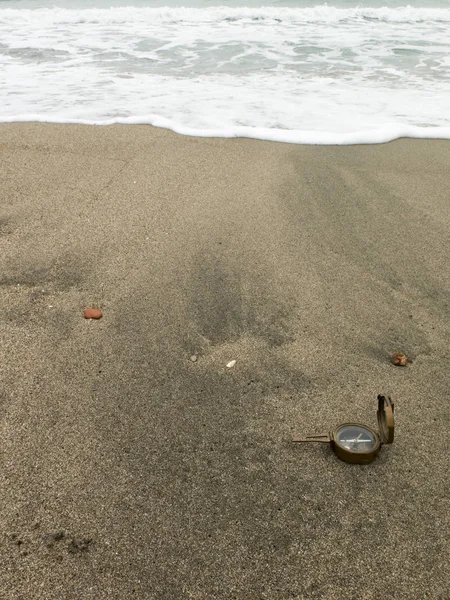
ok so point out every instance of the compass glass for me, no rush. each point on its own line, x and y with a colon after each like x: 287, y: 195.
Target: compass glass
x: 355, y: 438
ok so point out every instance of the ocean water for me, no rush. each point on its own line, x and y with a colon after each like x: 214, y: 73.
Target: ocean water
x: 287, y: 70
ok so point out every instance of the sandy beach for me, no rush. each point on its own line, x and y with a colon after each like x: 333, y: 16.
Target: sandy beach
x: 131, y: 469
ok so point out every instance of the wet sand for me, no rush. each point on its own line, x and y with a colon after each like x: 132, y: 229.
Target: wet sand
x: 130, y: 470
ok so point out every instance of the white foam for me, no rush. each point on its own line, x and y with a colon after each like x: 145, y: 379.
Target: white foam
x: 319, y: 75
x: 317, y: 14
x: 385, y: 133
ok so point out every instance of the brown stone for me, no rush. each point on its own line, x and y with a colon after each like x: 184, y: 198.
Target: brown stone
x: 400, y: 360
x: 92, y: 313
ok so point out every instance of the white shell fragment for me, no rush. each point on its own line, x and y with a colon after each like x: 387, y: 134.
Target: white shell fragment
x: 231, y: 364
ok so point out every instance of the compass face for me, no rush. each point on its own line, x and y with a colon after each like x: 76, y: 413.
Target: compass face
x: 355, y: 438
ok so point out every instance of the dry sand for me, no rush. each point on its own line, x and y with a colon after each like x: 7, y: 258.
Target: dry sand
x: 130, y: 471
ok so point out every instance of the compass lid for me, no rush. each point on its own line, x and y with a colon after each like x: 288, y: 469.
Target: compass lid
x: 385, y: 416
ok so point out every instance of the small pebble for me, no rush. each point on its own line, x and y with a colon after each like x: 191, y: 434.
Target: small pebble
x: 194, y: 358
x: 400, y: 360
x: 92, y: 313
x: 231, y: 364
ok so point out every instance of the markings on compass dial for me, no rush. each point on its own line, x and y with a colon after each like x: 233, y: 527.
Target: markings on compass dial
x: 355, y: 438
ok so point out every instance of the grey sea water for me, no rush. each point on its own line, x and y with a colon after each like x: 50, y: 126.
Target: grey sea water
x: 292, y: 70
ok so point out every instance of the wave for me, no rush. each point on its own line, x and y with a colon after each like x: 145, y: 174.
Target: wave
x: 381, y: 135
x: 319, y: 14
x: 320, y: 75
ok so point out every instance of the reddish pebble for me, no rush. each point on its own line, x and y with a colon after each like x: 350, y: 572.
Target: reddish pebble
x: 400, y: 360
x: 92, y: 313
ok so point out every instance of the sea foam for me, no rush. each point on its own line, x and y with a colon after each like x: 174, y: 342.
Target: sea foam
x: 321, y: 75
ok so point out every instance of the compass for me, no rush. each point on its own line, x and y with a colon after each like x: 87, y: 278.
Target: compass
x: 356, y: 443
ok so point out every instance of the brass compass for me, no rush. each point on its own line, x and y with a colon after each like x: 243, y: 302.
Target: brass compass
x: 356, y: 443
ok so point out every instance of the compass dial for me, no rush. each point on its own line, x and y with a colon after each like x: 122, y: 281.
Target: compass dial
x: 355, y: 438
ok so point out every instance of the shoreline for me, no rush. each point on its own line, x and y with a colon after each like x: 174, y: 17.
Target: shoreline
x: 382, y: 135
x: 132, y: 471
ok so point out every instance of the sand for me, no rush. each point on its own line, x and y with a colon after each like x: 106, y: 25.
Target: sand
x: 130, y: 470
